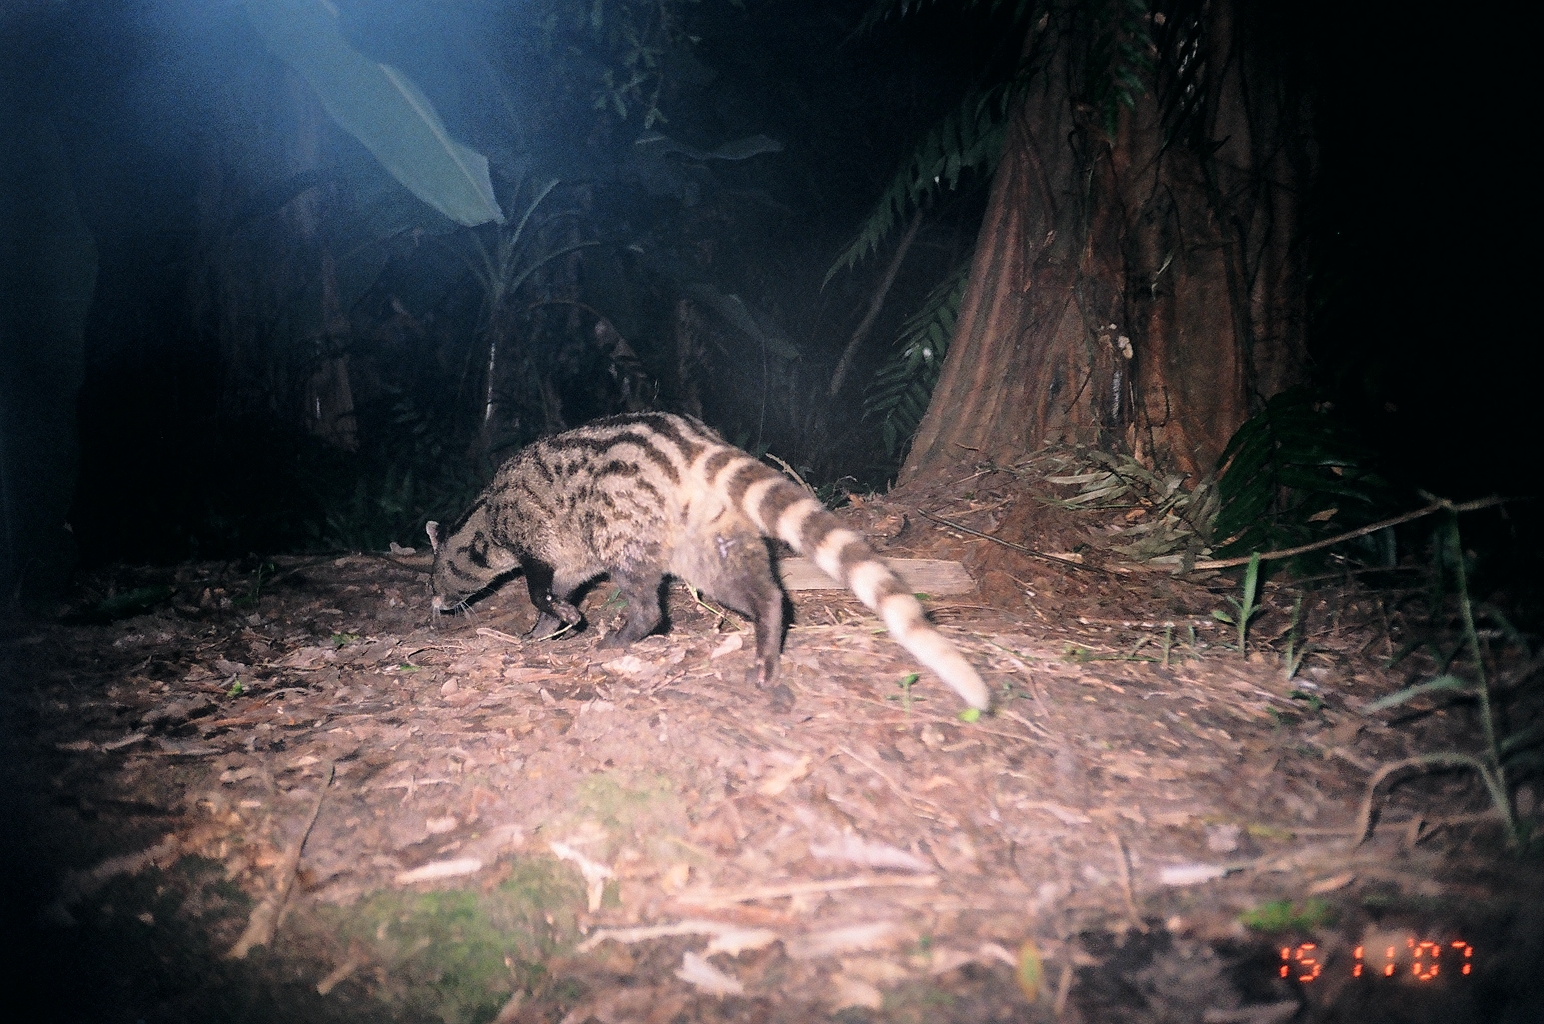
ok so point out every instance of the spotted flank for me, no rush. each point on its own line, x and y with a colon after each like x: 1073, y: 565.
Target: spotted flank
x: 643, y: 496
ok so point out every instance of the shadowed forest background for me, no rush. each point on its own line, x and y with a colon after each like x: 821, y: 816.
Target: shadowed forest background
x: 229, y: 330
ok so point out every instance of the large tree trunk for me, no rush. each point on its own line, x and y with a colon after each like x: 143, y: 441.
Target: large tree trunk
x: 1146, y: 289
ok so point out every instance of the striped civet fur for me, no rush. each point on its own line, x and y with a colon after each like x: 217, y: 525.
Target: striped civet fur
x: 642, y: 496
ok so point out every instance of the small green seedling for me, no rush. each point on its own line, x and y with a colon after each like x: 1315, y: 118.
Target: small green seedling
x: 1286, y: 916
x: 236, y: 689
x: 254, y: 593
x: 342, y: 640
x: 970, y: 715
x: 1296, y: 653
x: 1315, y: 703
x: 906, y: 684
x: 1247, y: 609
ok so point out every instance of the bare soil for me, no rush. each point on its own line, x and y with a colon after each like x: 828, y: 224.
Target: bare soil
x: 394, y: 819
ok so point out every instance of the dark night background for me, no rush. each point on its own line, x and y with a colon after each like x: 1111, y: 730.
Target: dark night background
x: 227, y: 334
x: 1421, y: 325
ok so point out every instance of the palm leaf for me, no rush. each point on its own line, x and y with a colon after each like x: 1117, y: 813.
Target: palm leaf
x: 380, y: 107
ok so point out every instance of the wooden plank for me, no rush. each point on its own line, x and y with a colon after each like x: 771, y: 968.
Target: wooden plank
x: 921, y: 575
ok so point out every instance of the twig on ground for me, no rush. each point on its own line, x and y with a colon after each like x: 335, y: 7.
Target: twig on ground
x: 710, y: 899
x: 737, y: 935
x: 1063, y: 987
x: 1303, y: 549
x: 1363, y: 828
x: 267, y: 915
x: 498, y: 635
x: 1069, y: 563
x: 1124, y: 871
x: 905, y: 796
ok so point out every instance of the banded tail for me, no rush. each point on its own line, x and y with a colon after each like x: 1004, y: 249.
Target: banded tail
x: 782, y: 510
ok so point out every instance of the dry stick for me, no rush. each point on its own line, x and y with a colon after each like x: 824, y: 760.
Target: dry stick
x: 1069, y: 563
x: 794, y: 473
x: 1125, y: 883
x: 351, y: 963
x: 1031, y: 726
x: 1063, y: 987
x: 1438, y: 760
x: 1436, y: 506
x: 906, y: 798
x: 875, y: 304
x: 773, y: 892
x: 265, y: 916
x: 497, y: 635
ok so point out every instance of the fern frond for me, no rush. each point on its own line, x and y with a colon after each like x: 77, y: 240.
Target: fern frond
x: 901, y: 389
x: 1291, y: 473
x: 969, y: 138
x: 1122, y: 57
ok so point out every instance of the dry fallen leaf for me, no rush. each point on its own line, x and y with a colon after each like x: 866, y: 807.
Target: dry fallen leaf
x: 1331, y: 884
x: 781, y: 778
x: 630, y: 665
x: 440, y: 869
x: 942, y: 960
x: 849, y: 991
x: 727, y: 938
x: 840, y: 940
x: 869, y: 854
x: 696, y: 970
x: 874, y: 970
x: 594, y: 872
x: 735, y: 941
x: 1190, y: 874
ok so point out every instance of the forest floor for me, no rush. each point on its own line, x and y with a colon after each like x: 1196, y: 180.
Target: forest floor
x: 393, y: 819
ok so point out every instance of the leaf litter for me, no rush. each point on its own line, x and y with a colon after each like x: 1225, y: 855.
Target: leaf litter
x: 456, y: 822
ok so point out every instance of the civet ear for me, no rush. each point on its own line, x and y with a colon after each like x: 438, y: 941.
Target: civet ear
x: 433, y: 530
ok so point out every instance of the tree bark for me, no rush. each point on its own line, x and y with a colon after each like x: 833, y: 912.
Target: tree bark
x: 1146, y: 289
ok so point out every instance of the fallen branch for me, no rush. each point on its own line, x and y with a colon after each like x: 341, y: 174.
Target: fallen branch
x: 1303, y: 549
x: 265, y: 917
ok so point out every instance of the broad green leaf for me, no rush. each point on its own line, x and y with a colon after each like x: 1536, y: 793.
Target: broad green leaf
x: 380, y: 107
